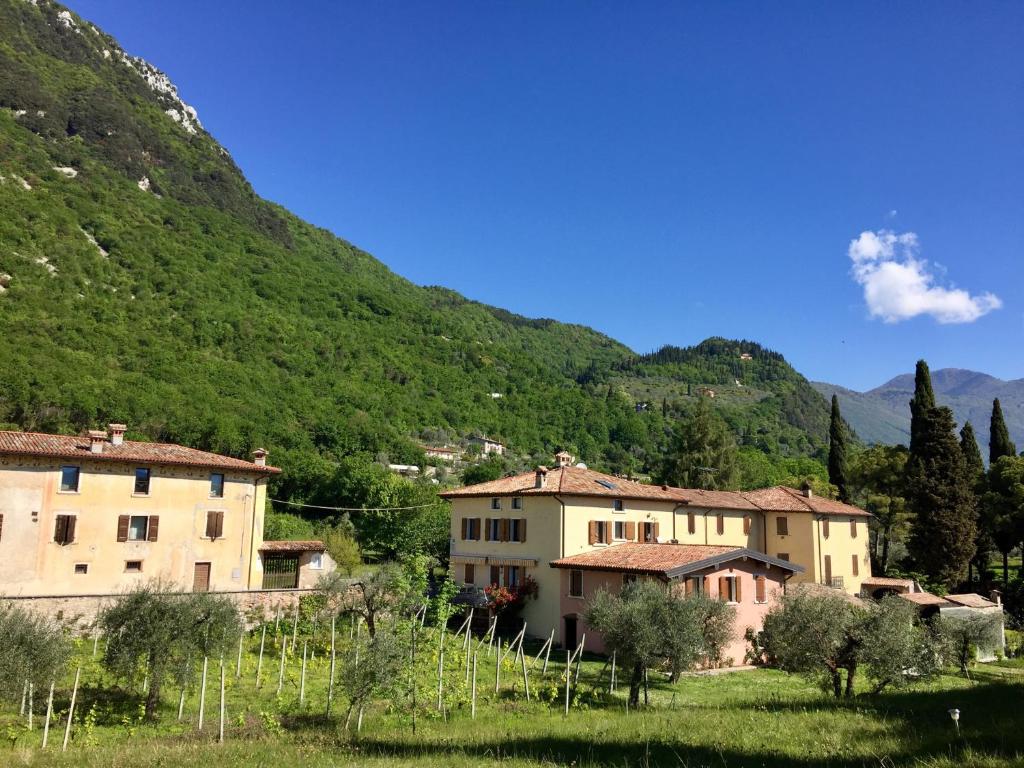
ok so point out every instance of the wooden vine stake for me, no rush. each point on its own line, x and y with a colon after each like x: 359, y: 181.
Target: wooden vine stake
x: 202, y: 693
x: 551, y: 642
x: 302, y: 676
x: 24, y: 698
x: 71, y: 711
x: 95, y: 642
x: 526, y: 676
x: 295, y: 626
x: 579, y: 659
x: 611, y: 684
x: 49, y: 714
x: 277, y: 620
x: 181, y: 703
x: 568, y: 679
x: 238, y: 664
x: 497, y: 669
x: 330, y: 682
x: 259, y: 662
x: 220, y: 734
x: 31, y: 690
x: 473, y: 694
x: 440, y: 681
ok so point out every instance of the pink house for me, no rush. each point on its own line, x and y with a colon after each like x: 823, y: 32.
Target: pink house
x: 749, y: 580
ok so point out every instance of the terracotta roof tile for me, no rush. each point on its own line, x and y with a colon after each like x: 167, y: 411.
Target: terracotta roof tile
x: 923, y: 598
x: 292, y: 546
x: 783, y: 499
x: 660, y: 559
x: 971, y: 600
x: 74, y: 447
x: 883, y: 581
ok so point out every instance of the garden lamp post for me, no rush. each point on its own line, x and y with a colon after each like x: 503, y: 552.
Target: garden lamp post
x: 955, y: 716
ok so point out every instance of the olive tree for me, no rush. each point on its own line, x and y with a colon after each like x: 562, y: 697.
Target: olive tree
x: 963, y: 635
x: 163, y: 634
x: 391, y: 589
x: 376, y: 672
x: 32, y: 649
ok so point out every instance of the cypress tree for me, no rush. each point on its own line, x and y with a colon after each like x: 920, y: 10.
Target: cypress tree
x: 975, y: 467
x: 939, y: 493
x: 999, y: 442
x: 922, y: 402
x: 837, y: 465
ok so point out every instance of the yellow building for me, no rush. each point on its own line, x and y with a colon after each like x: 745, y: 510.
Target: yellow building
x: 509, y: 529
x: 99, y: 514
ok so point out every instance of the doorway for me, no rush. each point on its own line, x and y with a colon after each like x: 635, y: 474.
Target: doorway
x: 569, y: 638
x: 201, y: 579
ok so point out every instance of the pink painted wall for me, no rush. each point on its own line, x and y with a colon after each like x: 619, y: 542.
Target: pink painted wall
x: 748, y: 613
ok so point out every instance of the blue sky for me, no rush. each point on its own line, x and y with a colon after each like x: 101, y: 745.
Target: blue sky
x: 661, y: 172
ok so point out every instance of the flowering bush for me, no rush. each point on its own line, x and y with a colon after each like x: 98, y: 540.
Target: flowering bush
x: 502, y: 599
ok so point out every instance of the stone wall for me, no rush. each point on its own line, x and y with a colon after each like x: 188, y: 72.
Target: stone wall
x: 79, y: 612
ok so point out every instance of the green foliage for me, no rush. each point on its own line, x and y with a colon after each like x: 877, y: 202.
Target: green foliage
x: 878, y: 479
x: 282, y: 526
x: 999, y: 442
x: 492, y: 468
x: 33, y: 649
x: 344, y: 550
x: 378, y: 673
x: 965, y: 634
x: 837, y: 459
x: 1003, y: 505
x: 160, y: 634
x: 703, y: 453
x: 921, y: 404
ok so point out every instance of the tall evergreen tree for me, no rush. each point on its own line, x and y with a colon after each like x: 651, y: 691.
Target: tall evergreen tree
x: 939, y: 492
x: 703, y: 453
x: 1004, y: 506
x: 921, y: 404
x: 975, y: 467
x: 999, y: 442
x: 838, y: 472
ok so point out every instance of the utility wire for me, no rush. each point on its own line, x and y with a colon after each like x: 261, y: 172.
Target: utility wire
x: 352, y: 509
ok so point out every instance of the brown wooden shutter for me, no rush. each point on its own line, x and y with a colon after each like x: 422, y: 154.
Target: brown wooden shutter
x: 824, y: 527
x: 592, y: 532
x: 739, y: 587
x: 721, y: 524
x: 723, y: 589
x: 1, y: 526
x: 691, y: 523
x: 465, y: 528
x: 707, y: 586
x: 70, y: 537
x: 122, y: 527
x: 630, y: 531
x: 508, y: 572
x: 470, y: 573
x: 853, y: 530
x: 828, y: 569
x: 503, y: 529
x: 782, y: 525
x: 688, y: 587
x: 487, y: 529
x: 746, y: 525
x: 760, y: 589
x: 856, y: 566
x: 220, y: 525
x: 60, y: 528
x: 657, y: 527
x: 154, y: 527
x: 522, y: 529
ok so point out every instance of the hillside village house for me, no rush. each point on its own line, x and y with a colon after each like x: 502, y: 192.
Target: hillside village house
x: 574, y: 530
x: 487, y: 445
x: 99, y: 514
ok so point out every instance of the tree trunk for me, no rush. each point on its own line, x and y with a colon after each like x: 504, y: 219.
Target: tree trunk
x: 885, y: 552
x: 634, y: 684
x: 850, y: 673
x: 371, y: 623
x: 837, y: 684
x: 1006, y: 569
x: 153, y: 694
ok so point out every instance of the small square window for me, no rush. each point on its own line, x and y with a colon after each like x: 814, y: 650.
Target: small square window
x: 217, y: 485
x: 620, y: 530
x: 618, y: 506
x: 495, y: 503
x: 133, y: 566
x: 576, y: 583
x: 69, y: 479
x: 142, y: 481
x: 81, y: 568
x: 517, y: 502
x: 316, y: 561
x: 138, y: 527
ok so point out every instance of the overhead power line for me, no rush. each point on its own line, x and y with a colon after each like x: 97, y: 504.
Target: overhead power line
x: 351, y: 509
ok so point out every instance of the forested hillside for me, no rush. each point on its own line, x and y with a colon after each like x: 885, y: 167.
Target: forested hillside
x: 143, y: 280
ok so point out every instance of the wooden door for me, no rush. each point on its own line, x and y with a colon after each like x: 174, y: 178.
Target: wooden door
x: 201, y: 581
x: 569, y: 639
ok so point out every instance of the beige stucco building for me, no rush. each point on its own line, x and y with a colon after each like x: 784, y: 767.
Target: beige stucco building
x: 512, y: 528
x: 99, y: 514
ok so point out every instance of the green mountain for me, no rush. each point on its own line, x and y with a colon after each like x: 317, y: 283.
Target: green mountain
x: 143, y: 280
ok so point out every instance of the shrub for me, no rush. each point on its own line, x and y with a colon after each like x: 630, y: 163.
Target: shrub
x: 32, y: 649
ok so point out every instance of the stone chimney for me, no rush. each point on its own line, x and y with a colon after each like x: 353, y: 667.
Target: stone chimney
x: 116, y: 433
x: 259, y: 457
x: 808, y: 493
x: 540, y: 478
x: 97, y: 437
x: 996, y: 596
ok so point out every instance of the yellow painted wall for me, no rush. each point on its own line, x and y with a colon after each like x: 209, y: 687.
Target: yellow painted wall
x: 30, y: 500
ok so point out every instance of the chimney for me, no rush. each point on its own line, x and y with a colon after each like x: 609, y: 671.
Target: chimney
x: 116, y: 433
x: 996, y: 596
x: 259, y: 457
x: 541, y: 477
x: 97, y: 437
x: 808, y: 493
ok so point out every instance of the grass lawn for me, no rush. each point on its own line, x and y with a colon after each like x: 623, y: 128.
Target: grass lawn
x: 748, y: 718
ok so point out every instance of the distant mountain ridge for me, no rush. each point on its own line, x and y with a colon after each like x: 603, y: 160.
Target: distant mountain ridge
x: 882, y: 414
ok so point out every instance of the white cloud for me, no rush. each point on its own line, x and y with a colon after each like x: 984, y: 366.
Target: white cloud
x: 898, y: 285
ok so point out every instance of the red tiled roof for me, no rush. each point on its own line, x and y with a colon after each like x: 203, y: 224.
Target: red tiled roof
x: 576, y: 481
x: 661, y: 559
x: 971, y: 600
x: 883, y: 581
x: 292, y: 546
x: 74, y: 447
x: 923, y: 598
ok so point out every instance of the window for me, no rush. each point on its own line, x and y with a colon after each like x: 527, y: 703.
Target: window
x: 604, y: 533
x: 512, y: 575
x: 133, y: 566
x: 471, y: 529
x: 721, y: 524
x: 138, y: 527
x: 760, y: 589
x: 495, y: 575
x: 824, y: 527
x: 575, y: 583
x: 494, y: 529
x: 619, y: 534
x: 618, y: 506
x: 217, y: 485
x: 746, y: 525
x: 828, y: 569
x: 81, y: 569
x: 142, y: 481
x: 649, y: 532
x: 516, y: 529
x: 782, y: 525
x: 69, y: 479
x: 853, y: 530
x: 316, y: 561
x: 691, y: 523
x: 64, y: 529
x: 214, y: 525
x: 729, y: 589
x: 628, y: 578
x: 783, y: 556
x: 470, y: 573
x: 495, y: 503
x: 856, y: 566
x: 517, y: 502
x: 694, y: 585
